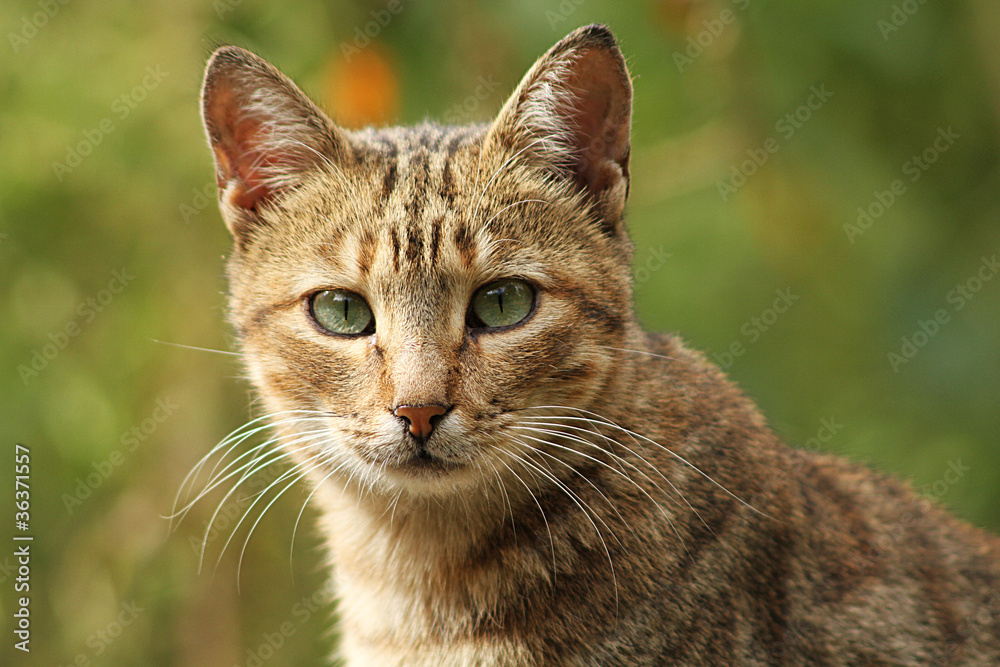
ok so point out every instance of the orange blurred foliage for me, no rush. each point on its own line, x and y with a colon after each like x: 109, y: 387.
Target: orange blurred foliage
x: 673, y: 15
x: 363, y: 88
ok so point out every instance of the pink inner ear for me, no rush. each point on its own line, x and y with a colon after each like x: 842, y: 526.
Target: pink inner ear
x: 251, y: 164
x: 237, y: 144
x: 599, y: 117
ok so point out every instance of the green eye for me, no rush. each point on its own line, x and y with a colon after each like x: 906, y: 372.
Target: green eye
x: 341, y: 312
x: 502, y: 303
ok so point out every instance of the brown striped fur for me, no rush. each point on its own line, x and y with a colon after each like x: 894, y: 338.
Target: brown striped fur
x: 653, y: 518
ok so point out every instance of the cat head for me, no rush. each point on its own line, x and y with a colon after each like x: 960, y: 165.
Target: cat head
x: 402, y: 295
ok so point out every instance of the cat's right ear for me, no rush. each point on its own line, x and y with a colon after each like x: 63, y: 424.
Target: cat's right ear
x: 264, y: 132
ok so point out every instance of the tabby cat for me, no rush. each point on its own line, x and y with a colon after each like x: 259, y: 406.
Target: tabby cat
x: 509, y: 470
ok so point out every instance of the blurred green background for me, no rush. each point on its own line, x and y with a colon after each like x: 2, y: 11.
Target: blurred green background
x: 760, y: 129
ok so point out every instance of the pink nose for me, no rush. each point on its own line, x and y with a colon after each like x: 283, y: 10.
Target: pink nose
x: 419, y: 417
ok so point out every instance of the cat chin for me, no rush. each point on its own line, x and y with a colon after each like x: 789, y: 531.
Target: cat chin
x: 426, y: 477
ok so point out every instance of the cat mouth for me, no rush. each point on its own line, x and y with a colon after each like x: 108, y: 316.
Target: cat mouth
x: 423, y: 462
x: 418, y: 463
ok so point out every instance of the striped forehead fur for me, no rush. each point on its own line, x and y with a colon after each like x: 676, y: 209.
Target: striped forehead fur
x: 403, y: 190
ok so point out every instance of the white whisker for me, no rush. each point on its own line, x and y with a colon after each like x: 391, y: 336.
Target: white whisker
x: 582, y: 476
x: 680, y: 458
x: 238, y: 436
x: 641, y: 458
x: 650, y: 354
x: 579, y: 503
x: 261, y: 463
x: 239, y: 566
x: 617, y: 471
x: 200, y: 349
x: 316, y: 487
x: 545, y: 520
x: 217, y: 479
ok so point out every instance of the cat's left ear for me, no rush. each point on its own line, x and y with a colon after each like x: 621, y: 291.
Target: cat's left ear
x: 572, y: 113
